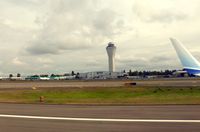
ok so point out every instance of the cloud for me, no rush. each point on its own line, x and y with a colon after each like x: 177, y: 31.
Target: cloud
x: 65, y: 35
x: 16, y: 61
x: 55, y: 46
x: 196, y: 54
x: 131, y: 62
x: 23, y: 2
x: 106, y: 22
x: 45, y: 60
x: 151, y: 12
x: 161, y: 59
x: 74, y: 25
x: 167, y: 17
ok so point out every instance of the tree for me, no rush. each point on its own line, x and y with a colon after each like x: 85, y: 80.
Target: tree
x: 130, y: 73
x: 77, y: 75
x: 10, y: 75
x: 52, y: 75
x: 73, y: 73
x: 140, y: 73
x: 18, y: 75
x: 44, y: 75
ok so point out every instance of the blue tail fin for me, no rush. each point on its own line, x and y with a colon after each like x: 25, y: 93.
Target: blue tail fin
x: 186, y: 58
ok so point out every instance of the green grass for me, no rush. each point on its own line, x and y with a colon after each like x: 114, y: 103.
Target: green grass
x: 115, y: 95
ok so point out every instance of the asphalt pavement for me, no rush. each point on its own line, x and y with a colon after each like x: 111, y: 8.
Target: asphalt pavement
x: 159, y: 112
x: 98, y: 83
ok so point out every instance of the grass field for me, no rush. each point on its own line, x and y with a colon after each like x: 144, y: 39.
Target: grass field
x: 113, y: 95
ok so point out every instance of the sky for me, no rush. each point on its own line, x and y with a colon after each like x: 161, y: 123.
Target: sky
x: 58, y: 36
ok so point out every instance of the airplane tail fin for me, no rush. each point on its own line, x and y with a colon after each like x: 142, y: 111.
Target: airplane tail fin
x: 186, y: 58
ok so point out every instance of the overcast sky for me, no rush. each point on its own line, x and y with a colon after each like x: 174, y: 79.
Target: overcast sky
x: 58, y: 36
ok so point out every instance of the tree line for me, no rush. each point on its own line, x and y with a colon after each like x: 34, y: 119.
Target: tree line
x: 150, y: 73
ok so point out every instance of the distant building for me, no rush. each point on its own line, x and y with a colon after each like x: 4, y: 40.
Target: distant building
x: 100, y: 75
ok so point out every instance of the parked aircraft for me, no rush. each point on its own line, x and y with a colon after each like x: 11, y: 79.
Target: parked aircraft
x: 189, y: 63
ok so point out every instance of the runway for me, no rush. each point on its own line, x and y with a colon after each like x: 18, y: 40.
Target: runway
x: 124, y: 118
x: 97, y: 83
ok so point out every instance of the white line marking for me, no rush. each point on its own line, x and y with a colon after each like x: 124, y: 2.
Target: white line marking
x: 96, y: 119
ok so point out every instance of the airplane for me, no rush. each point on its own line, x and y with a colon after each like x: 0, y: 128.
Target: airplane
x: 189, y: 63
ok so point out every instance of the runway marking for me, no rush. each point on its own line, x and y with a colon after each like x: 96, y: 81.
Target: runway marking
x: 98, y: 119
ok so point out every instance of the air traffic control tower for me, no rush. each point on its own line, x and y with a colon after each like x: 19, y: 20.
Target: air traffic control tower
x: 111, y: 49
